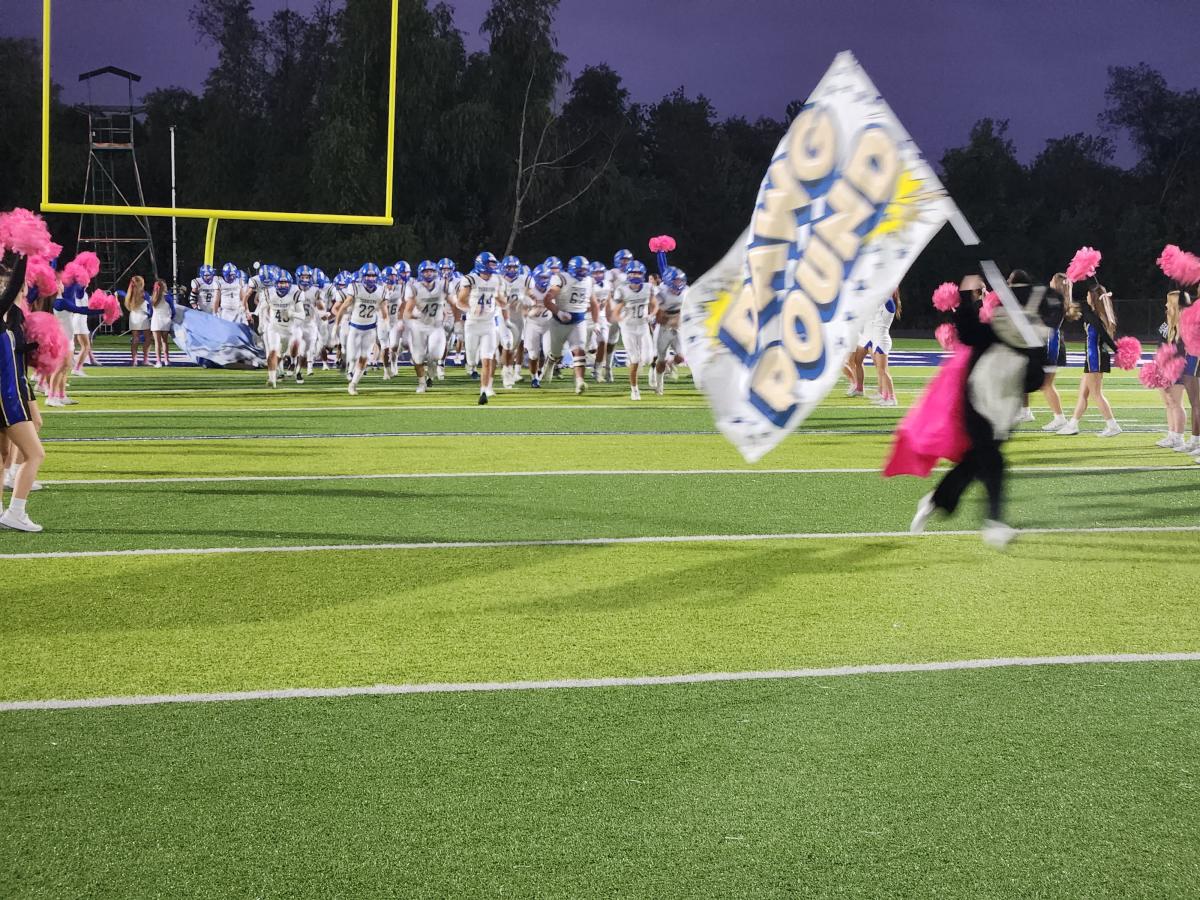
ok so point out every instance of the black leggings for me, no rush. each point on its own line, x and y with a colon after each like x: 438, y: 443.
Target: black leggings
x: 983, y: 461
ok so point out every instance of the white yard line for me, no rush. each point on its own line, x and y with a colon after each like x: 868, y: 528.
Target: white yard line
x: 379, y: 690
x: 580, y: 542
x: 567, y: 473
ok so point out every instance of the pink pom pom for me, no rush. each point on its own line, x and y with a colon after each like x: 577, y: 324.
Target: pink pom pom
x: 1179, y: 265
x: 1084, y: 264
x: 1148, y: 375
x: 655, y: 245
x: 946, y: 297
x: 667, y: 243
x: 107, y: 304
x: 1189, y: 328
x: 990, y: 301
x: 53, y: 346
x: 39, y: 274
x: 1129, y: 353
x: 82, y: 269
x: 947, y: 336
x: 25, y: 233
x: 1169, y: 363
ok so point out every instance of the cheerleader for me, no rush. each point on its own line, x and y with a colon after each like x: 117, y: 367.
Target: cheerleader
x: 161, y: 309
x: 1173, y: 396
x: 82, y: 334
x: 71, y: 304
x: 881, y: 340
x: 20, y: 418
x: 1099, y: 324
x: 139, y: 319
x: 1056, y: 356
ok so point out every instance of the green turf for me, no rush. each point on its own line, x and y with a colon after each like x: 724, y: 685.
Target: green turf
x: 1047, y: 782
x: 1039, y: 783
x: 273, y: 513
x: 81, y: 627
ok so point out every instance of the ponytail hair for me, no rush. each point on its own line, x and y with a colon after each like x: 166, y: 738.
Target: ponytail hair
x: 1100, y: 299
x: 135, y: 296
x: 1175, y: 299
x: 1061, y: 283
x: 896, y: 300
x: 160, y: 288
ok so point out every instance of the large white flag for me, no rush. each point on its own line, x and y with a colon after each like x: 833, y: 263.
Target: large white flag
x: 846, y: 206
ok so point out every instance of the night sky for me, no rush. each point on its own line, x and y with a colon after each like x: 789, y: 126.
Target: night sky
x: 942, y: 64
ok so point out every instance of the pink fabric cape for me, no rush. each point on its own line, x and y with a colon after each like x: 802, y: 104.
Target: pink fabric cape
x: 933, y: 428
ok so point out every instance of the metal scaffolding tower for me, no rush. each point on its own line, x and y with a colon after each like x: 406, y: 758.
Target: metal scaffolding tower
x: 113, y: 179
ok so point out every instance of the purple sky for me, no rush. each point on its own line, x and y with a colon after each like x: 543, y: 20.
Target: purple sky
x: 942, y: 64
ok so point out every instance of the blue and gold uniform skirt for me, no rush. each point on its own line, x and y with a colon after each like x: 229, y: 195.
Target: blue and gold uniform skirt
x: 14, y: 387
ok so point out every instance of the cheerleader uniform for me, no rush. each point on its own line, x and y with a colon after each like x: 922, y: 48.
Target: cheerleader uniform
x: 139, y: 319
x: 1099, y: 341
x: 15, y: 397
x: 162, y: 315
x: 70, y: 309
x: 1056, y: 348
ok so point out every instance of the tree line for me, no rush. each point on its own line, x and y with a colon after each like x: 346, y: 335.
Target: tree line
x: 499, y: 149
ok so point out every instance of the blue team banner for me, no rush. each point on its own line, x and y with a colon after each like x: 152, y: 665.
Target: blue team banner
x: 213, y: 342
x: 846, y: 206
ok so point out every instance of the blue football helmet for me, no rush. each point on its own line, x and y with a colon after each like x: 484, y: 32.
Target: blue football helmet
x: 343, y: 279
x: 636, y: 273
x: 283, y: 282
x: 485, y: 262
x: 320, y: 279
x: 228, y: 271
x: 427, y: 266
x: 368, y: 274
x: 304, y: 276
x: 510, y: 267
x: 445, y: 265
x: 675, y: 279
x: 577, y: 266
x: 390, y: 276
x: 541, y: 277
x: 207, y: 273
x: 268, y: 274
x: 599, y: 271
x: 622, y: 259
x: 553, y: 263
x: 403, y: 271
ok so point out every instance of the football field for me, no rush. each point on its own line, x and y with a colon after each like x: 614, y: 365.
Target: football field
x: 293, y: 643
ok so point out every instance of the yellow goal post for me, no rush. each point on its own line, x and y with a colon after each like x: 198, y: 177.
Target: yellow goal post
x: 215, y: 215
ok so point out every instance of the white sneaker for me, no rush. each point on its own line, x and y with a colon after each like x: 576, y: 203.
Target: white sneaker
x: 18, y: 522
x: 352, y: 390
x: 54, y: 401
x: 157, y: 365
x: 67, y: 401
x: 1196, y: 452
x: 658, y: 388
x: 925, y: 509
x: 421, y: 386
x: 82, y: 374
x: 490, y: 391
x: 441, y: 373
x: 1072, y: 427
x: 1111, y: 430
x: 1026, y: 415
x: 852, y: 391
x: 1054, y: 424
x: 1189, y: 445
x: 580, y: 387
x: 1168, y: 441
x: 997, y: 535
x: 608, y: 375
x: 886, y: 404
x: 10, y: 483
x: 635, y: 394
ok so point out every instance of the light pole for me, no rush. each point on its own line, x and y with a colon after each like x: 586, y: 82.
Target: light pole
x: 174, y: 235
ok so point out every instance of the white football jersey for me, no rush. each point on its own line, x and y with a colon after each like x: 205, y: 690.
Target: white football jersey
x: 394, y: 297
x: 669, y: 301
x: 366, y: 304
x: 310, y: 301
x: 482, y: 301
x: 280, y: 309
x: 229, y: 293
x: 637, y: 302
x: 602, y: 291
x: 205, y: 293
x: 533, y: 302
x: 428, y: 301
x: 575, y: 296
